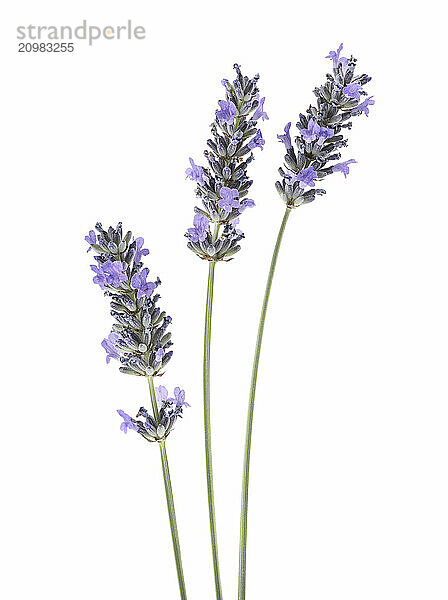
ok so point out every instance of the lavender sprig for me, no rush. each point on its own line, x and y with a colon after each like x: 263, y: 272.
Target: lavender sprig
x: 223, y: 185
x: 321, y: 132
x: 140, y: 342
x: 311, y: 158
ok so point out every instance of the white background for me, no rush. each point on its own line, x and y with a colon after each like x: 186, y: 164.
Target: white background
x: 349, y: 491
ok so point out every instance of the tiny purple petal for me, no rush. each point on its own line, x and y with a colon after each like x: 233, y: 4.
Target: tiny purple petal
x: 364, y: 106
x: 139, y: 250
x: 257, y: 141
x: 343, y: 167
x: 90, y: 239
x: 352, y: 90
x: 198, y: 232
x: 227, y: 112
x: 195, y: 172
x: 229, y: 199
x: 259, y: 111
x: 161, y: 394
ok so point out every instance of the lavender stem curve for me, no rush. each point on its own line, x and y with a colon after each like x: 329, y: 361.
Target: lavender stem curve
x: 250, y: 413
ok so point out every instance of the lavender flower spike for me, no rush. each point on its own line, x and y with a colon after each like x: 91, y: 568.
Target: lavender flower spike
x: 229, y: 152
x: 321, y: 133
x: 139, y: 340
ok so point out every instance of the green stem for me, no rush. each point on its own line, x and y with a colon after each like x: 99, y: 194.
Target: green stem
x: 207, y: 426
x: 250, y: 416
x: 169, y: 497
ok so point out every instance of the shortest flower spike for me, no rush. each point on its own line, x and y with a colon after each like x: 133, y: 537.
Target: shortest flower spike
x: 127, y: 422
x: 198, y: 232
x: 257, y: 141
x: 195, y: 172
x: 139, y: 283
x: 90, y: 239
x: 229, y: 198
x: 352, y: 90
x: 259, y: 112
x: 109, y: 346
x: 227, y: 112
x: 286, y: 138
x: 343, y: 167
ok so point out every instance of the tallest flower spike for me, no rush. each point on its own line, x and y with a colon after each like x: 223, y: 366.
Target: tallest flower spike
x: 314, y: 154
x: 223, y: 187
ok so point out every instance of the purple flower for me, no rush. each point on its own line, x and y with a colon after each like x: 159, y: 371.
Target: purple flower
x: 364, y: 106
x: 109, y: 346
x: 90, y: 239
x: 315, y: 131
x: 257, y: 141
x: 334, y: 55
x: 109, y: 273
x: 343, y: 167
x: 139, y: 250
x: 195, y: 172
x: 198, y: 233
x: 306, y: 177
x: 259, y: 112
x: 160, y: 354
x: 286, y: 138
x: 179, y: 397
x: 139, y: 283
x: 352, y: 90
x: 246, y: 204
x: 227, y: 112
x: 127, y: 422
x: 161, y: 394
x: 100, y: 277
x: 234, y: 223
x: 229, y: 199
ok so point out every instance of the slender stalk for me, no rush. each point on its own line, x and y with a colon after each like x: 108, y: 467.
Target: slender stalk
x: 169, y: 498
x: 250, y: 415
x: 207, y: 426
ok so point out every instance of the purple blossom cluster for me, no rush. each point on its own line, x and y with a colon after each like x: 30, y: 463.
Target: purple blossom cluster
x: 170, y: 409
x: 139, y: 340
x: 223, y: 184
x: 315, y: 152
